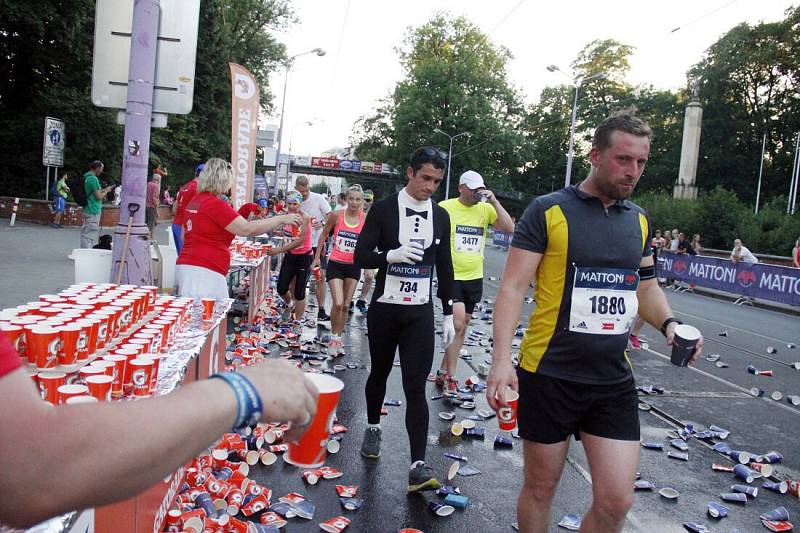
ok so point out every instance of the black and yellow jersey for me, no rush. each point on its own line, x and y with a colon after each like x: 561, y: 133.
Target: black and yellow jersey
x: 585, y: 285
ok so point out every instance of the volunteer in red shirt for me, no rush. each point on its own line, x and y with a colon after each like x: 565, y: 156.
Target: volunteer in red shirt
x: 182, y: 199
x: 253, y: 210
x: 296, y: 263
x: 342, y: 275
x: 55, y: 460
x: 211, y: 224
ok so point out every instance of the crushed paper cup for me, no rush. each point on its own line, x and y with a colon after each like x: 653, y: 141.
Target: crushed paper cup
x: 571, y: 522
x: 669, y: 492
x: 337, y: 524
x: 453, y: 470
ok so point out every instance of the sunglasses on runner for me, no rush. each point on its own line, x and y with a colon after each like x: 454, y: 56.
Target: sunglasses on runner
x: 431, y: 151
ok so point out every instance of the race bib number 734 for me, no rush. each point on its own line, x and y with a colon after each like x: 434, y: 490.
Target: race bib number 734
x: 604, y: 300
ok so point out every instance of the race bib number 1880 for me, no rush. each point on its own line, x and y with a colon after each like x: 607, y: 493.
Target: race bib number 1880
x: 604, y: 300
x: 407, y: 284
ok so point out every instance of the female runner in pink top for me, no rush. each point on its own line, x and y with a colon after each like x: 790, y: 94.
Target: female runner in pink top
x: 296, y: 264
x: 342, y: 275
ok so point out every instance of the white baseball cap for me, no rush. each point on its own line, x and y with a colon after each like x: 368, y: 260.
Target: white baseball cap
x: 472, y: 180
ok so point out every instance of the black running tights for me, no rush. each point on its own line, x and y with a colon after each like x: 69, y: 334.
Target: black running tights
x: 409, y: 328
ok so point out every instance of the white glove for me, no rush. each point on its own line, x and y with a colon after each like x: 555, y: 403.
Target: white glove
x: 405, y: 254
x: 448, y: 331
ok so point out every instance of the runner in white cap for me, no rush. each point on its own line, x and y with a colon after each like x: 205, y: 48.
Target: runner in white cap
x: 475, y: 209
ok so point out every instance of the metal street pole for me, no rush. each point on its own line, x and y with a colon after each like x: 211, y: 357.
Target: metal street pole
x: 760, y: 171
x: 131, y: 250
x: 449, y: 158
x: 320, y: 52
x: 568, y: 176
x: 793, y: 196
x: 794, y: 174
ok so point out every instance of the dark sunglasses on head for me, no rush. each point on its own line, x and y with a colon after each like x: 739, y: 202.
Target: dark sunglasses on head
x: 432, y: 152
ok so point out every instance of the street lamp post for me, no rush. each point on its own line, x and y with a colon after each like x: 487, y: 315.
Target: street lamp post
x: 449, y: 157
x: 577, y: 82
x: 288, y: 65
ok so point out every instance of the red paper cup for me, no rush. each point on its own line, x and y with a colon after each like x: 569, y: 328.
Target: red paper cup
x: 159, y: 341
x: 69, y: 391
x: 138, y: 341
x: 89, y: 346
x: 119, y: 373
x: 208, y: 308
x: 68, y: 355
x: 310, y: 450
x: 127, y: 383
x: 49, y: 382
x: 156, y: 358
x: 107, y: 366
x: 507, y: 416
x: 102, y: 328
x: 90, y: 370
x: 45, y: 344
x: 16, y: 336
x: 100, y: 387
x: 151, y: 301
x: 74, y: 400
x: 166, y: 331
x: 337, y: 524
x: 141, y: 370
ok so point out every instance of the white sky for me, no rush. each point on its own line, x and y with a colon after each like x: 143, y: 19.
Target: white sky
x: 360, y: 37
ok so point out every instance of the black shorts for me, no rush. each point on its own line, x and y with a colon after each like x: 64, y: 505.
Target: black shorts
x: 468, y: 292
x: 295, y: 267
x: 337, y: 270
x: 552, y: 409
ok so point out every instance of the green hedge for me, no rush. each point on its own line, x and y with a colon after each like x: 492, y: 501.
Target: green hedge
x: 720, y: 217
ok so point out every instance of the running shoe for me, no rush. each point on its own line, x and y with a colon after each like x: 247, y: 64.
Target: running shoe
x: 350, y: 308
x: 361, y: 305
x: 441, y: 377
x: 322, y: 316
x: 371, y: 445
x: 422, y: 477
x: 635, y: 342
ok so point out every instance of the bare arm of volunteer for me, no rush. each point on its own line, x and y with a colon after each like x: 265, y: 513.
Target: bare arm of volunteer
x: 654, y: 308
x: 330, y: 222
x: 101, y: 193
x: 521, y: 267
x: 249, y: 228
x: 504, y: 221
x: 297, y: 241
x: 54, y: 460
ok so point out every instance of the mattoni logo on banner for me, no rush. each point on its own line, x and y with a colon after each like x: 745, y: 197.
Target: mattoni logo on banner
x: 244, y: 127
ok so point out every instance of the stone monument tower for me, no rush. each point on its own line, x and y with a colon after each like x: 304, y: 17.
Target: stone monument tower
x: 690, y: 148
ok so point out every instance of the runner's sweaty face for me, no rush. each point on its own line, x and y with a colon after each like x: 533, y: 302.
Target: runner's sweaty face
x: 424, y: 182
x: 617, y: 169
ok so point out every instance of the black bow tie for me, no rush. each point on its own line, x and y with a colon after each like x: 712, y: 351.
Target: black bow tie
x: 410, y: 213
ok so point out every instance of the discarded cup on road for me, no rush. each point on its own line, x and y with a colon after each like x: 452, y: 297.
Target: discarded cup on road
x: 439, y: 509
x: 310, y: 450
x: 717, y: 510
x: 793, y: 399
x: 758, y: 393
x: 765, y: 469
x: 734, y: 497
x: 773, y: 457
x: 686, y: 338
x: 571, y: 522
x: 745, y: 489
x: 781, y: 487
x: 776, y: 515
x: 669, y: 493
x: 776, y: 395
x: 744, y: 473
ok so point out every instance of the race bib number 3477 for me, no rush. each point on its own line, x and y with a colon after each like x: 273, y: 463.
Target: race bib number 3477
x: 468, y: 239
x: 604, y: 300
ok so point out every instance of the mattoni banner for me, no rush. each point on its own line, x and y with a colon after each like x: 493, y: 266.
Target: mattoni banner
x: 769, y: 282
x: 244, y: 128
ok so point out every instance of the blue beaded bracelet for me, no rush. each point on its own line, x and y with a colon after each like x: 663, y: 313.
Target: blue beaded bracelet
x: 249, y: 405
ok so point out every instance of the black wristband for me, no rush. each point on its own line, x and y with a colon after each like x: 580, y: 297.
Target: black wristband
x: 667, y: 322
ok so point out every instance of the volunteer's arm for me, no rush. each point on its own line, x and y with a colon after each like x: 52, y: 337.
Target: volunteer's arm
x: 54, y: 460
x: 653, y: 305
x: 520, y: 270
x: 250, y: 228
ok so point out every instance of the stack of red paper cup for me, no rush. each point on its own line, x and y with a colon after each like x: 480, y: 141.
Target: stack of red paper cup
x: 70, y: 339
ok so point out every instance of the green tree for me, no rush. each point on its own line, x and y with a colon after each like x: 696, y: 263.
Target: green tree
x: 455, y: 80
x: 748, y: 84
x: 46, y: 68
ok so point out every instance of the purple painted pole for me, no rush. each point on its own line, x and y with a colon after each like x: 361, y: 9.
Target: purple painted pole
x: 135, y: 263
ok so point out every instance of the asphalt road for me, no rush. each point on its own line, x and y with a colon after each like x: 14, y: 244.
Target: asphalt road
x: 34, y: 262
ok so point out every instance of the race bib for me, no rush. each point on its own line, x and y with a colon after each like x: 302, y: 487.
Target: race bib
x: 346, y: 241
x: 468, y: 239
x: 604, y: 300
x: 407, y: 284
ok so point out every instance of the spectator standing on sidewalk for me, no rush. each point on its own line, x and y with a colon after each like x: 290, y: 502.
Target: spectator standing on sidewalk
x: 151, y: 203
x: 166, y: 198
x: 60, y: 200
x: 182, y: 199
x: 796, y: 253
x: 741, y: 253
x: 673, y: 244
x: 684, y: 246
x: 90, y: 230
